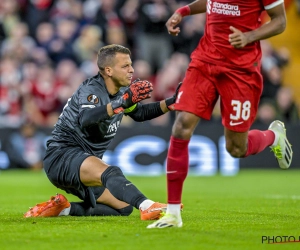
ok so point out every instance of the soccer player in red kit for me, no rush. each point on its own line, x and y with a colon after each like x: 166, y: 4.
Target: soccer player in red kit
x: 225, y: 64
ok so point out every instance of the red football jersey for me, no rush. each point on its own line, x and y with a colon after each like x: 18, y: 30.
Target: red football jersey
x: 244, y: 15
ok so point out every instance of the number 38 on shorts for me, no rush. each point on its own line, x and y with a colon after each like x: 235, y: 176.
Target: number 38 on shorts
x: 241, y: 112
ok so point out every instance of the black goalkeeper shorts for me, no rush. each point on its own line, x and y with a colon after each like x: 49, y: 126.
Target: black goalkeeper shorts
x: 62, y: 166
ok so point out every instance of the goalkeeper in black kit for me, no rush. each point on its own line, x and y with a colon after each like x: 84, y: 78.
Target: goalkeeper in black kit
x: 89, y: 121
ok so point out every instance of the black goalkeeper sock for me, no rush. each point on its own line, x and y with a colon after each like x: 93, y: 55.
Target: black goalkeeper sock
x: 84, y: 209
x: 114, y: 180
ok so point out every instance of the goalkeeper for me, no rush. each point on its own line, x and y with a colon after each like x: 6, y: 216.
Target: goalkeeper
x: 89, y: 122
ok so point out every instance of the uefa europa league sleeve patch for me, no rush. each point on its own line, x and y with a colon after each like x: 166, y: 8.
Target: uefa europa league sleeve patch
x: 93, y: 99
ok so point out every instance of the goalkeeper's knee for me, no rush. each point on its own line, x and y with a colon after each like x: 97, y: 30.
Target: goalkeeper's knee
x: 111, y: 172
x: 126, y: 210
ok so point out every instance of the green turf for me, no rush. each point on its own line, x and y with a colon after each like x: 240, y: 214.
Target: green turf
x: 219, y: 213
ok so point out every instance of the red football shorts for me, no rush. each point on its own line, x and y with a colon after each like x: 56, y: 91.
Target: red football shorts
x: 239, y: 92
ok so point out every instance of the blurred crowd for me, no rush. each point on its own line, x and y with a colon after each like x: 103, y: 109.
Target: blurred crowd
x: 48, y: 47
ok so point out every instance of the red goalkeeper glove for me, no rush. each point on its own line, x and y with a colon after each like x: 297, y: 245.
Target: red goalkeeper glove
x: 134, y: 93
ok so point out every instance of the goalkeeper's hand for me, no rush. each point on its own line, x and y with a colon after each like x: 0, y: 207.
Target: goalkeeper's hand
x: 171, y: 100
x: 134, y: 93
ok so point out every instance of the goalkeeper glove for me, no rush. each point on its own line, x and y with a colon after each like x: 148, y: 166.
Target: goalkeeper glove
x: 134, y: 93
x: 171, y: 100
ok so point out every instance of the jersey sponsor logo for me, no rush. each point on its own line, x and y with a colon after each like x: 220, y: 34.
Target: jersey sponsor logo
x: 112, y: 128
x: 232, y: 123
x: 222, y: 8
x: 93, y: 99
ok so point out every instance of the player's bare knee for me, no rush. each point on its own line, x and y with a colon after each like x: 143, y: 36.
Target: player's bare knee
x: 181, y: 131
x: 236, y: 152
x: 91, y: 170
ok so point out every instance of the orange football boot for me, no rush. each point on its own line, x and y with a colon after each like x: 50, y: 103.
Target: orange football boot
x: 50, y: 208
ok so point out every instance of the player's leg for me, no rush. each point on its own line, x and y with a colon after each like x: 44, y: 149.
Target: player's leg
x: 177, y: 167
x: 236, y: 143
x: 62, y: 166
x: 108, y: 199
x: 95, y: 172
x: 84, y: 209
x: 253, y: 142
x: 58, y: 205
x: 242, y: 144
x: 240, y: 94
x: 178, y: 158
x: 56, y: 167
x: 107, y: 205
x: 191, y: 105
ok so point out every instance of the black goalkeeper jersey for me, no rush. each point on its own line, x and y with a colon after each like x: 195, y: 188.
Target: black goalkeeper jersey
x: 95, y: 139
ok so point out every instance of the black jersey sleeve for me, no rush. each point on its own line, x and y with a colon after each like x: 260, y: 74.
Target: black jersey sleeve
x: 144, y: 112
x: 92, y: 100
x: 88, y: 117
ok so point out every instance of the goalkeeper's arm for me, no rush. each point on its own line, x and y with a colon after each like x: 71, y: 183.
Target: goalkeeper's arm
x: 143, y: 112
x: 134, y: 93
x: 89, y: 117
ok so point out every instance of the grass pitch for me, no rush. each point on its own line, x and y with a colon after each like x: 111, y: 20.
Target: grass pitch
x: 219, y: 213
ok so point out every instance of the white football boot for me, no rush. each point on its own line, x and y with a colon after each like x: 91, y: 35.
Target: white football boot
x: 281, y: 147
x: 168, y: 220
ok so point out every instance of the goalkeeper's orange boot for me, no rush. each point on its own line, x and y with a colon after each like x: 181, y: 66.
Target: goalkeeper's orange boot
x: 50, y: 208
x: 154, y: 212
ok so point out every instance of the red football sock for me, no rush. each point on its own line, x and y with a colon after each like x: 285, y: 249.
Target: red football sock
x: 177, y: 168
x: 258, y: 140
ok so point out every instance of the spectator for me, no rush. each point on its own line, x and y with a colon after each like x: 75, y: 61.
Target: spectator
x: 192, y: 31
x: 60, y: 46
x: 107, y: 16
x: 266, y: 112
x: 115, y: 34
x: 88, y: 42
x: 69, y: 79
x: 67, y: 33
x: 286, y: 108
x: 272, y: 65
x: 43, y: 102
x: 27, y: 147
x: 9, y: 15
x: 128, y: 13
x: 10, y: 93
x: 44, y: 35
x: 143, y: 70
x: 88, y: 67
x: 18, y: 44
x: 153, y: 43
x: 170, y: 74
x: 36, y: 12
